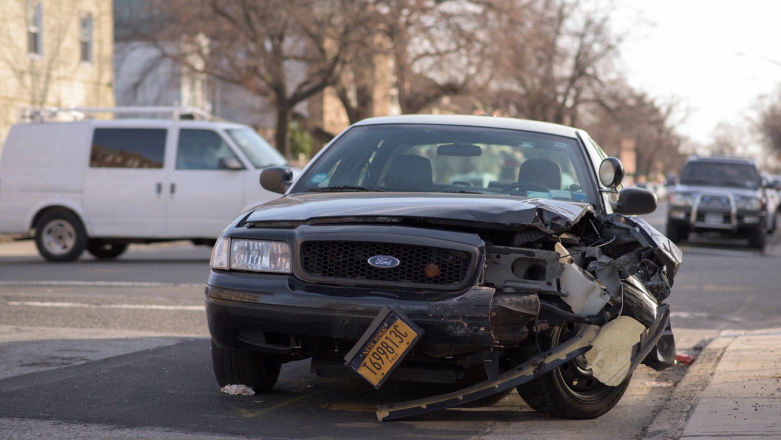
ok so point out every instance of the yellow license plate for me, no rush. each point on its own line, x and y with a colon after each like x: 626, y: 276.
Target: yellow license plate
x: 383, y: 346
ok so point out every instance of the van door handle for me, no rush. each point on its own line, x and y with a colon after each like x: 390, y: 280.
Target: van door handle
x: 173, y: 188
x: 159, y: 188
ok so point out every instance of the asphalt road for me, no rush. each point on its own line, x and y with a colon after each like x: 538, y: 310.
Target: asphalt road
x: 96, y: 349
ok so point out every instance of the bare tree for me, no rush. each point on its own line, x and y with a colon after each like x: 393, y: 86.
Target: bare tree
x: 285, y: 51
x: 549, y: 58
x: 622, y: 114
x: 769, y: 123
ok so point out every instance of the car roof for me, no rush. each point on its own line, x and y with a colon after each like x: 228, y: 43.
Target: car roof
x: 142, y: 123
x: 723, y: 159
x: 475, y: 121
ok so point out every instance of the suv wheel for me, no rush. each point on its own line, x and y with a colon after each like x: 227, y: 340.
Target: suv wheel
x: 103, y: 250
x: 676, y: 234
x: 60, y: 236
x: 758, y: 237
x: 570, y: 391
x: 238, y: 367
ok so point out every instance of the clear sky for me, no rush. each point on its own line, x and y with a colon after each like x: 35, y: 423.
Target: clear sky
x: 715, y: 56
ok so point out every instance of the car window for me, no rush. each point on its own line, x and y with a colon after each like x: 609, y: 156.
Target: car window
x: 128, y: 148
x: 255, y: 148
x: 426, y: 158
x: 201, y: 150
x: 720, y: 174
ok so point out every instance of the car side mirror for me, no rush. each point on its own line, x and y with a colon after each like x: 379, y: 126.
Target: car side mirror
x: 229, y: 163
x: 276, y: 179
x: 635, y: 201
x: 611, y: 172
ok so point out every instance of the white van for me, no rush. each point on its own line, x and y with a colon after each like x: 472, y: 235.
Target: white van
x: 101, y: 184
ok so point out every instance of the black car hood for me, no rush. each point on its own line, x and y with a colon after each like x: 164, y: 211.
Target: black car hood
x: 492, y: 211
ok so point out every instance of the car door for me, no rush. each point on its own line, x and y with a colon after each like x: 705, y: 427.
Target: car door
x: 206, y: 186
x: 124, y: 182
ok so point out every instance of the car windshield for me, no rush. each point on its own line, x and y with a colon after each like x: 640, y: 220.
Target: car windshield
x: 720, y: 174
x: 451, y: 159
x: 257, y: 150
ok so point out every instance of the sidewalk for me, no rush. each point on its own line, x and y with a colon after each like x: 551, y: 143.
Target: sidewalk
x: 732, y: 391
x: 743, y: 398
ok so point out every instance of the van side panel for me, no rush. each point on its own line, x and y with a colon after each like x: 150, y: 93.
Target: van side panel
x: 42, y: 164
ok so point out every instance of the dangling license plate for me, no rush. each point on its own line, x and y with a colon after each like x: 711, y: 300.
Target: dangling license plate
x: 383, y: 346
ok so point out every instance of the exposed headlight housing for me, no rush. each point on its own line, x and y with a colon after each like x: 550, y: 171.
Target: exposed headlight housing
x: 682, y: 199
x: 748, y: 203
x: 252, y: 255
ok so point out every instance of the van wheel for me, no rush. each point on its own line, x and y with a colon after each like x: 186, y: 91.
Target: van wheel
x: 60, y: 236
x: 237, y: 367
x: 104, y: 250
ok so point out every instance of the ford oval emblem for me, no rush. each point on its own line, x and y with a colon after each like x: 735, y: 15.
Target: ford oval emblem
x: 383, y: 261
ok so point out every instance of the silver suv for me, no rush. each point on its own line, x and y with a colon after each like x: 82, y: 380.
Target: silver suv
x: 719, y: 194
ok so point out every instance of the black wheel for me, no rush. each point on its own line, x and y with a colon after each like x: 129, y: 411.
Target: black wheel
x: 251, y: 368
x: 60, y: 236
x: 570, y: 391
x: 103, y: 250
x: 757, y: 238
x: 675, y: 233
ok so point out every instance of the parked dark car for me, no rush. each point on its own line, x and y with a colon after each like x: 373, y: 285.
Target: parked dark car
x: 725, y: 195
x: 379, y: 263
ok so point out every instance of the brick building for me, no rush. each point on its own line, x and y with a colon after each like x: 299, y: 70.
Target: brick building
x: 54, y: 53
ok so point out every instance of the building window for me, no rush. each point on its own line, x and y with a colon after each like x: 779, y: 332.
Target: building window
x: 85, y: 37
x: 34, y: 28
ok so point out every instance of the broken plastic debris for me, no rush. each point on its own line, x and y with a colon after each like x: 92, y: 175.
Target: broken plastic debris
x: 238, y: 390
x: 685, y: 359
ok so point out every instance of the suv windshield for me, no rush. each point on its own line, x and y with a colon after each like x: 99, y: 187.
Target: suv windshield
x: 451, y: 159
x: 731, y: 174
x: 257, y: 150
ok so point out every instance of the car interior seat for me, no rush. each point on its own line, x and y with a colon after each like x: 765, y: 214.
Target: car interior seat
x: 408, y: 172
x: 536, y: 172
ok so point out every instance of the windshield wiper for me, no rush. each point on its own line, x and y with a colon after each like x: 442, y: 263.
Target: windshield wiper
x: 344, y: 188
x: 463, y: 191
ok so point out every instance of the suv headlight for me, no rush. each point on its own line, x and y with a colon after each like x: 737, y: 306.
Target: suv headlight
x: 682, y: 199
x: 251, y: 255
x: 748, y: 203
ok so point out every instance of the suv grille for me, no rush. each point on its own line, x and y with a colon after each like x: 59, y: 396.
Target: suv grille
x: 348, y: 260
x: 713, y: 201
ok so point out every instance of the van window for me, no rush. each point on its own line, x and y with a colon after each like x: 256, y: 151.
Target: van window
x: 201, y: 150
x: 128, y: 148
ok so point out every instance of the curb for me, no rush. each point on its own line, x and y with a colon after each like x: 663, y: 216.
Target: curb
x: 670, y: 421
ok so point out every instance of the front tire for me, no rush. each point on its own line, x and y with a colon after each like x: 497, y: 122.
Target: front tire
x: 758, y: 237
x: 238, y: 367
x: 103, y: 250
x: 570, y: 391
x: 60, y: 236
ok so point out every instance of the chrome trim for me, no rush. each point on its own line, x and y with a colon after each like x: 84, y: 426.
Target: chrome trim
x: 733, y: 212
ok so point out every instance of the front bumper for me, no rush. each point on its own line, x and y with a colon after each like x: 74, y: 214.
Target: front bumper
x: 278, y: 314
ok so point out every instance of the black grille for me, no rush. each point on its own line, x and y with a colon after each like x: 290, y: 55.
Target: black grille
x: 348, y: 260
x: 720, y: 202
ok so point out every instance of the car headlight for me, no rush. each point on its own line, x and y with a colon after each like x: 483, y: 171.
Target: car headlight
x: 682, y: 199
x: 748, y: 203
x: 251, y: 255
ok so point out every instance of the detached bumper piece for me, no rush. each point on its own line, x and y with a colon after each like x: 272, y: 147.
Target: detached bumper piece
x: 523, y: 373
x: 528, y: 371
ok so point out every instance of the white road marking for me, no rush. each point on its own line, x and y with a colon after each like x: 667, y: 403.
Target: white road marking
x: 104, y: 306
x: 98, y: 284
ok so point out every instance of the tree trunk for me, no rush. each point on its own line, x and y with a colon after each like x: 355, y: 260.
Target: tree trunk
x: 280, y: 136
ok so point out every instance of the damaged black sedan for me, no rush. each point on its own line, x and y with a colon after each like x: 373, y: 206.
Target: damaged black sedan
x: 489, y: 252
